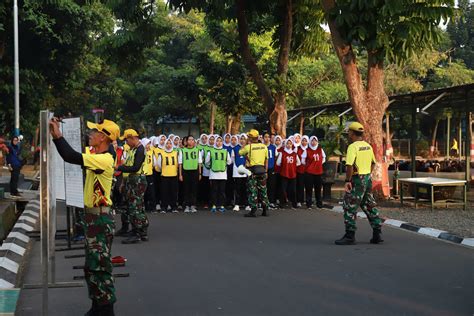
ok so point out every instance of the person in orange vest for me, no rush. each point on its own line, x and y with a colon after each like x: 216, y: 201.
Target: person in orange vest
x: 288, y: 160
x: 313, y: 159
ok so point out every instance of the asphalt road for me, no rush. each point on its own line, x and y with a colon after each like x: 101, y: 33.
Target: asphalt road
x: 286, y: 264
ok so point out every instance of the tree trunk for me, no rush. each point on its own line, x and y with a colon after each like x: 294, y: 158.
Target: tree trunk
x: 213, y: 118
x: 237, y: 121
x: 368, y: 103
x: 302, y: 124
x: 229, y: 122
x: 433, y: 138
x: 279, y: 117
x: 276, y: 105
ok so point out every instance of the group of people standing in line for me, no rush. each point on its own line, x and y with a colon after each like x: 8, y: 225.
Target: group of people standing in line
x: 253, y: 163
x: 182, y: 174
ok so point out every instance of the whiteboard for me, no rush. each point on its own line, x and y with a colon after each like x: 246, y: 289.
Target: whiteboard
x: 74, y: 190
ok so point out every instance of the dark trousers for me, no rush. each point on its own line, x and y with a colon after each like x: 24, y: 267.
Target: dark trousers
x: 218, y: 192
x: 117, y: 196
x: 157, y: 183
x: 15, y: 176
x: 271, y: 186
x: 203, y: 197
x: 240, y: 189
x: 278, y: 189
x: 169, y: 192
x: 313, y: 181
x: 300, y: 187
x: 229, y: 187
x: 190, y: 186
x: 150, y: 200
x: 180, y: 193
x: 288, y: 188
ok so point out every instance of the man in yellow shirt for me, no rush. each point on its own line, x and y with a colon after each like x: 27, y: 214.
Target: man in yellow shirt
x: 360, y: 161
x: 98, y: 220
x: 257, y: 163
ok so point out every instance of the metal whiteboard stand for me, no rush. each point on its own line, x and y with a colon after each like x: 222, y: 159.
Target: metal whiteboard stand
x: 47, y: 220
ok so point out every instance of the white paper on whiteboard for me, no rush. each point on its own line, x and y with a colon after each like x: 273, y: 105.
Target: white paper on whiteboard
x: 73, y: 173
x: 57, y: 173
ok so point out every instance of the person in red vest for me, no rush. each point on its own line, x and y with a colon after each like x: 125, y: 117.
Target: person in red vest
x: 313, y: 159
x: 300, y: 171
x: 288, y: 160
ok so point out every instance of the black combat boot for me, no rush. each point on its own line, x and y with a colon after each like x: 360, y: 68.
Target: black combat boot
x: 93, y: 310
x: 106, y: 310
x: 264, y: 211
x: 347, y: 239
x: 133, y: 239
x: 376, y: 236
x: 122, y: 232
x: 251, y: 214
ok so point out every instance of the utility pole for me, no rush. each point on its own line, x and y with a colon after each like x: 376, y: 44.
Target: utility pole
x: 16, y: 68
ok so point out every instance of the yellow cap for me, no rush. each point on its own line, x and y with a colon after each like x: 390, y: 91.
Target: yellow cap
x: 253, y: 133
x: 107, y: 127
x: 129, y: 133
x: 357, y: 127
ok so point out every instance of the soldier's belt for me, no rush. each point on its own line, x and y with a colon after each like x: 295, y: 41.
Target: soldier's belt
x: 98, y: 210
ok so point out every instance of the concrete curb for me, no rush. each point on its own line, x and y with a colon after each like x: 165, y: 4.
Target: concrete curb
x: 13, y: 249
x: 427, y: 231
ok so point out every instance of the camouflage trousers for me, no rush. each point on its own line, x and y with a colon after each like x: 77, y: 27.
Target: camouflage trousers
x: 99, y: 233
x: 257, y: 190
x: 136, y: 187
x: 360, y: 195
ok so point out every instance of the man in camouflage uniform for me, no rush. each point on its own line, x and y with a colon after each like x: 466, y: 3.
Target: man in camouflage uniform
x: 135, y: 187
x: 360, y: 161
x: 98, y: 220
x: 257, y: 162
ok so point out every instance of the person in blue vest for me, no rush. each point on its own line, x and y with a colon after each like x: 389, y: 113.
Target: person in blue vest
x: 229, y: 143
x: 240, y: 180
x: 14, y: 165
x: 271, y: 178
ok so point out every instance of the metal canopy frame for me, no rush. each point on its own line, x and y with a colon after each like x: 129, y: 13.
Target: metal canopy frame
x: 457, y: 98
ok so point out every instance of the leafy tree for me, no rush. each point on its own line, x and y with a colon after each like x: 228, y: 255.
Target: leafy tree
x: 388, y: 31
x: 461, y: 33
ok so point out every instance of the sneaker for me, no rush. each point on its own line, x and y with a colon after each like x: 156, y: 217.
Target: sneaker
x: 248, y: 208
x: 163, y: 212
x: 193, y: 209
x: 309, y: 207
x: 180, y: 207
x: 236, y: 208
x: 222, y: 209
x: 272, y: 206
x: 174, y: 211
x: 158, y: 207
x: 206, y: 206
x: 187, y: 209
x: 169, y: 208
x: 298, y: 205
x: 213, y: 209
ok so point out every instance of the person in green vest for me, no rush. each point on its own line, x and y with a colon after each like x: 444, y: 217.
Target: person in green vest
x: 217, y: 160
x: 190, y: 166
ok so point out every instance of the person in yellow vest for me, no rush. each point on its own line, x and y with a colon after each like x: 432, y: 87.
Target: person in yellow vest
x: 157, y: 149
x: 257, y: 162
x: 148, y: 172
x: 454, y: 148
x: 135, y: 188
x: 168, y: 163
x: 98, y: 220
x: 360, y: 161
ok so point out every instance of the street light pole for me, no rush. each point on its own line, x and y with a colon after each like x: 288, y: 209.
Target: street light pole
x: 16, y: 68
